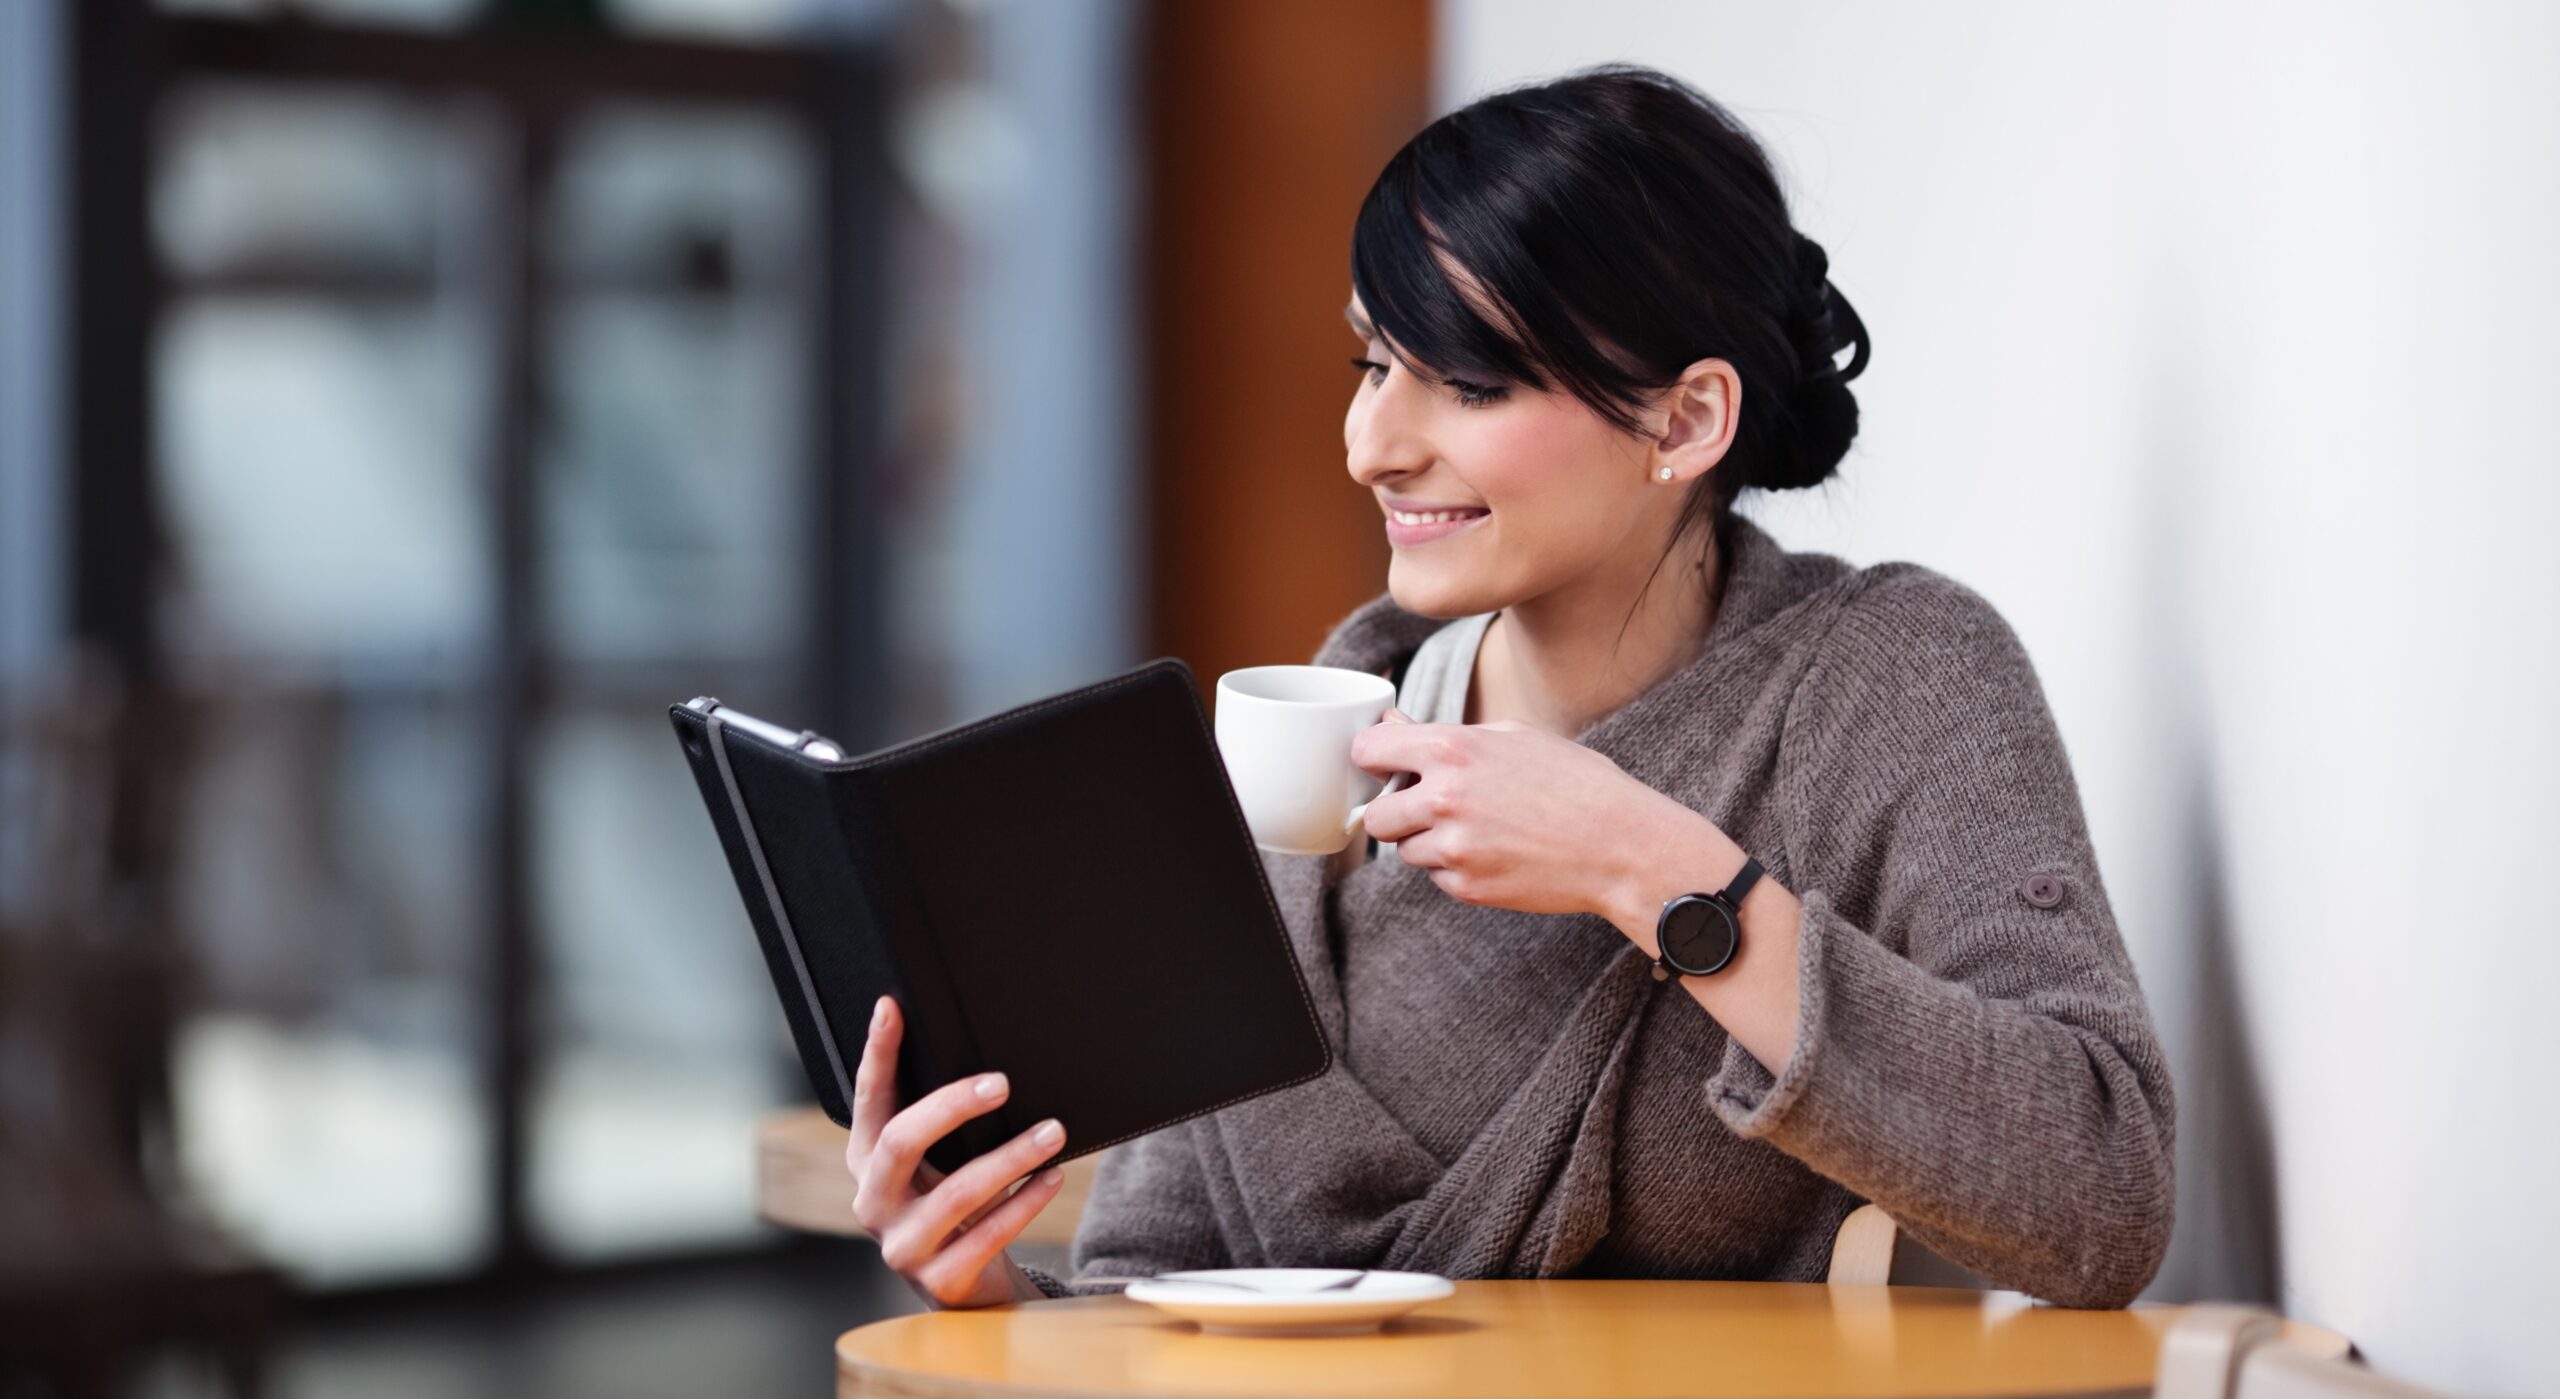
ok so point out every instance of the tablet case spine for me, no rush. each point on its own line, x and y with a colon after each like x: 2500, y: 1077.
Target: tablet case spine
x: 895, y: 949
x: 717, y: 733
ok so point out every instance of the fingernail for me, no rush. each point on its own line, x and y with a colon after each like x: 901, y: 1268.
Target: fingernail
x: 1052, y: 1176
x: 1049, y: 1133
x: 991, y: 1085
x: 880, y: 1013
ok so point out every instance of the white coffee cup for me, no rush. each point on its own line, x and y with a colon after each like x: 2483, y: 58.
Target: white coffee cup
x: 1285, y: 732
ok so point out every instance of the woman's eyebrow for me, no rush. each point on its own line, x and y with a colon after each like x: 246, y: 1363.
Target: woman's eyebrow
x: 1359, y: 326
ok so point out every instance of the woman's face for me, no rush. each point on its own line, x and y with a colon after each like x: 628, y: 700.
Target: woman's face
x: 1550, y: 493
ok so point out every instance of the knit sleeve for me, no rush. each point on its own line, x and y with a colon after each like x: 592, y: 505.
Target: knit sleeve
x: 1045, y: 1280
x: 1148, y: 1212
x: 1974, y: 1056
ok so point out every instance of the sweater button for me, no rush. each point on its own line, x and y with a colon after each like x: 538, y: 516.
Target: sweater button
x: 2041, y: 891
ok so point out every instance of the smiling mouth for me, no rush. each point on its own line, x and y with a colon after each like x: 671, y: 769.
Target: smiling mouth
x: 1416, y: 528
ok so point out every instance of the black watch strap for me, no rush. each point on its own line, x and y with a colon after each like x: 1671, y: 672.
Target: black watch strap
x: 1743, y: 879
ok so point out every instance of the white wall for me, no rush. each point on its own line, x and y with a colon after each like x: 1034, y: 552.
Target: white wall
x: 2216, y: 345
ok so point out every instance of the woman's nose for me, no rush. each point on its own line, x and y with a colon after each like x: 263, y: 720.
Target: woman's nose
x: 1380, y: 436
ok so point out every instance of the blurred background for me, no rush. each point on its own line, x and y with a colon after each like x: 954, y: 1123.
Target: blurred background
x: 403, y: 401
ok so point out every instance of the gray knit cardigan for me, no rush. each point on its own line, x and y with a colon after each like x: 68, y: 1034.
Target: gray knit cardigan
x: 1514, y: 1096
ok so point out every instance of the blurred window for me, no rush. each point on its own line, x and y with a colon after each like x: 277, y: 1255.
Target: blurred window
x: 338, y: 479
x: 673, y: 493
x: 322, y: 421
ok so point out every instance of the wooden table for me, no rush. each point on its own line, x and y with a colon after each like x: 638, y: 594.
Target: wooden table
x: 1550, y: 1340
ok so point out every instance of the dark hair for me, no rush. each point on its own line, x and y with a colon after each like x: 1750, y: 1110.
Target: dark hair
x: 1623, y: 225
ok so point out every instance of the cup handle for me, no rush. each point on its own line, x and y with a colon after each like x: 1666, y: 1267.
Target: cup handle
x: 1360, y: 814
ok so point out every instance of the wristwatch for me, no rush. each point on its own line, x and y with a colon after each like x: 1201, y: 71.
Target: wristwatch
x: 1699, y: 933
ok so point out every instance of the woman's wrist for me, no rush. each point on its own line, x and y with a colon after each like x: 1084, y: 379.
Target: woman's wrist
x: 1000, y: 1281
x: 1662, y: 851
x: 1668, y: 850
x: 1022, y: 1286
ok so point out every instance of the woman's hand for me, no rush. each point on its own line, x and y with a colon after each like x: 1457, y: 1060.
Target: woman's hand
x: 944, y: 1235
x: 1520, y: 818
x: 1505, y: 814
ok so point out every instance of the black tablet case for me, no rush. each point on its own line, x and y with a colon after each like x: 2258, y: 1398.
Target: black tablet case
x: 1065, y: 891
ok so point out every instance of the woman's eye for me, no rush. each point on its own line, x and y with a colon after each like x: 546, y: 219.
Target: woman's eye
x: 1472, y: 395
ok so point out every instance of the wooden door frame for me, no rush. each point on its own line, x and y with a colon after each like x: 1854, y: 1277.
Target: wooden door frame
x: 1265, y: 124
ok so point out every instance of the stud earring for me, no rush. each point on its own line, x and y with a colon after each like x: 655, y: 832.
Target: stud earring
x: 1666, y: 473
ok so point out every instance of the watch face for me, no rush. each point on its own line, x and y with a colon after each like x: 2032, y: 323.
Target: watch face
x: 1698, y: 936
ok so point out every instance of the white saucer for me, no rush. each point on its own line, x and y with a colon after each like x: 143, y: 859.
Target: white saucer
x: 1288, y: 1305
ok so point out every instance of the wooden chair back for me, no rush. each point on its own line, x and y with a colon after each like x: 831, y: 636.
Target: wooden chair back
x: 2228, y: 1352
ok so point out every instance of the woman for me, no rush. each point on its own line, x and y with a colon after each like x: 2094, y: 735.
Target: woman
x: 1589, y: 324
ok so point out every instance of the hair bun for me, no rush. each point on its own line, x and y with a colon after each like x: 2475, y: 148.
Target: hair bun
x: 1820, y: 323
x: 1824, y: 320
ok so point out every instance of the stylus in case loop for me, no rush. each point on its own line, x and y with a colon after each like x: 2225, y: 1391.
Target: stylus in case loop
x: 806, y: 741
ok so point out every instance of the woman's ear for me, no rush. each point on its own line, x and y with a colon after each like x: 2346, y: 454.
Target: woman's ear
x: 1700, y: 415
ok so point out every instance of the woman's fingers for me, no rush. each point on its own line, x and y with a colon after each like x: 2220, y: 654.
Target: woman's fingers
x: 911, y: 1207
x: 953, y: 1274
x: 1385, y: 749
x: 875, y: 1084
x: 953, y: 1205
x: 1399, y: 811
x: 899, y: 1149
